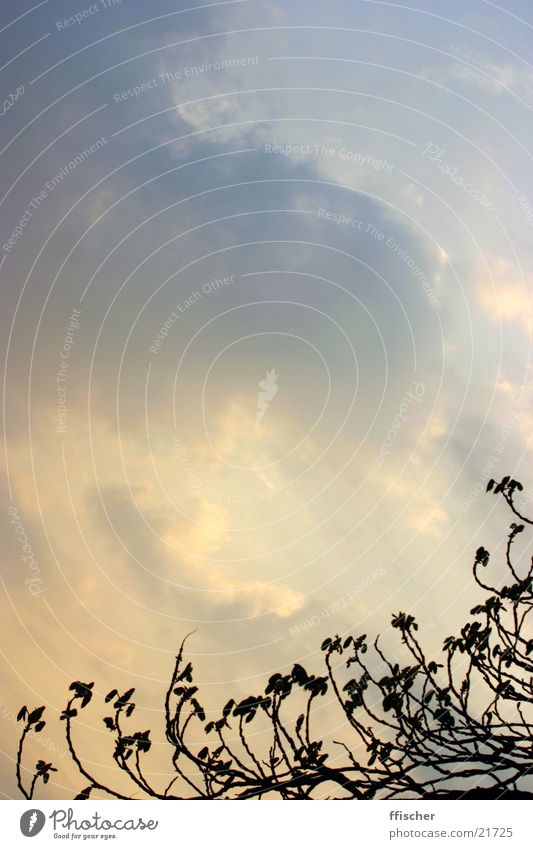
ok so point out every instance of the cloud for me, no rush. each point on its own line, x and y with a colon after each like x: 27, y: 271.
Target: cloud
x: 417, y: 492
x: 415, y: 195
x: 132, y: 530
x: 504, y: 294
x: 492, y: 76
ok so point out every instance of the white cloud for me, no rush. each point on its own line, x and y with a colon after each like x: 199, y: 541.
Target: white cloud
x: 504, y: 294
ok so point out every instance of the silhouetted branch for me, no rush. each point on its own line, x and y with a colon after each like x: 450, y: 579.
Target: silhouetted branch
x: 457, y: 727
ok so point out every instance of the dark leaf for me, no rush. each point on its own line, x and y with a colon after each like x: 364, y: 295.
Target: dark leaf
x: 198, y: 709
x: 186, y: 675
x: 85, y: 794
x: 299, y: 675
x: 36, y: 714
x: 228, y: 708
x: 69, y: 714
x: 123, y: 700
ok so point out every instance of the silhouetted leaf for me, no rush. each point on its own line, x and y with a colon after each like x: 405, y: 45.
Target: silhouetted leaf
x: 228, y: 708
x: 85, y: 794
x: 186, y: 675
x: 198, y: 709
x: 69, y: 714
x: 299, y: 675
x: 36, y: 714
x: 123, y: 700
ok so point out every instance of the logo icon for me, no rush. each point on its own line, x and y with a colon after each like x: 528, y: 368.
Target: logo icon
x: 32, y: 822
x: 268, y: 388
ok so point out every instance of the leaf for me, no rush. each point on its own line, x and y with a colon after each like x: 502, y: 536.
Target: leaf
x: 23, y: 712
x: 69, y: 714
x: 228, y: 708
x: 82, y: 691
x: 130, y: 709
x: 445, y: 717
x: 198, y: 709
x: 85, y: 794
x: 111, y: 695
x: 203, y: 753
x: 189, y: 692
x: 144, y: 744
x: 390, y: 701
x: 40, y: 726
x: 299, y: 675
x: 482, y: 556
x: 124, y: 699
x: 326, y: 644
x: 109, y: 723
x: 186, y: 675
x: 36, y: 714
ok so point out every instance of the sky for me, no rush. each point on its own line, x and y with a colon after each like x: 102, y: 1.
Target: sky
x: 266, y: 274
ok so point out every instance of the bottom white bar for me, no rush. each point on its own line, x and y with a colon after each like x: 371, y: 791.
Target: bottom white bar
x: 264, y: 824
